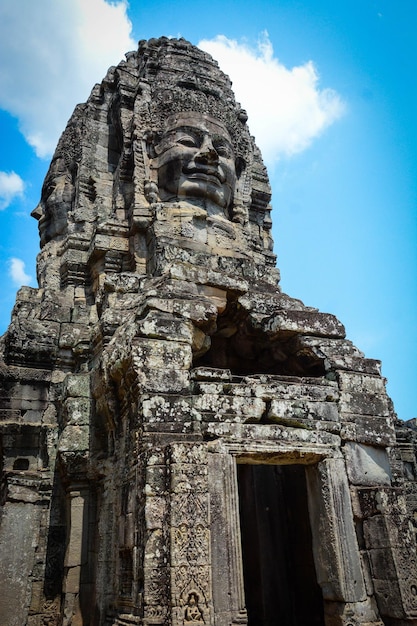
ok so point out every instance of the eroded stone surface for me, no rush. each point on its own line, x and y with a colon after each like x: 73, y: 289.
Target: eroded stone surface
x: 157, y: 355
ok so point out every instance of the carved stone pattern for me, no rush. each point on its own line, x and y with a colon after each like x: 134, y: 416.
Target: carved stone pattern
x: 51, y: 613
x: 190, y: 534
x: 155, y: 614
x: 408, y: 589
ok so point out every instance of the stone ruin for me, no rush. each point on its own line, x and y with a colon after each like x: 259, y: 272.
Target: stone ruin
x: 182, y: 443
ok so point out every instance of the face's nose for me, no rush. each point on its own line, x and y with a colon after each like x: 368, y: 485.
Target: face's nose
x: 207, y: 152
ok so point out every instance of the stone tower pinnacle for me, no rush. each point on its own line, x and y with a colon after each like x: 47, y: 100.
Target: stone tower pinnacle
x: 182, y: 443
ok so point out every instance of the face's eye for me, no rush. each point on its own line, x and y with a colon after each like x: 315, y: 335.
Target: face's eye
x: 48, y: 190
x: 223, y: 148
x: 188, y: 140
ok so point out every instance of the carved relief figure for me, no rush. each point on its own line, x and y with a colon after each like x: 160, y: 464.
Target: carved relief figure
x: 192, y: 613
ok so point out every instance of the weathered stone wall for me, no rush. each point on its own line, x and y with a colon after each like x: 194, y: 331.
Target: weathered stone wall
x: 157, y: 355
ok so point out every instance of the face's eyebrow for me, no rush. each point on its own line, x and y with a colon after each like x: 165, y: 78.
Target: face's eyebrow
x: 198, y: 131
x: 194, y: 131
x: 188, y: 129
x: 222, y: 138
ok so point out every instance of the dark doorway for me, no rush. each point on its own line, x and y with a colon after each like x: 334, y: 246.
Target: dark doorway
x: 279, y: 574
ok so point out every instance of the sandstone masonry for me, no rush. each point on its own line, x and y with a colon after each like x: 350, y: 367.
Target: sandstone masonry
x: 182, y: 443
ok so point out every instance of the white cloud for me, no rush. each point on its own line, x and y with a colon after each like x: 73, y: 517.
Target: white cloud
x: 287, y: 109
x: 17, y: 272
x: 52, y: 52
x: 11, y: 186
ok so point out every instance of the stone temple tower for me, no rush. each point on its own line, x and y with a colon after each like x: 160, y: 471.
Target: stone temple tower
x: 182, y: 444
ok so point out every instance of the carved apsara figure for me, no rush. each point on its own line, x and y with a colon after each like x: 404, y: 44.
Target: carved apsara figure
x: 192, y: 614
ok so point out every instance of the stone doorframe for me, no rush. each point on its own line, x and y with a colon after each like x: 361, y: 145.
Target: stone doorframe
x: 337, y: 559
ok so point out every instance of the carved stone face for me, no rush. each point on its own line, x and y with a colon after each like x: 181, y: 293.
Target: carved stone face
x: 58, y: 194
x: 195, y: 160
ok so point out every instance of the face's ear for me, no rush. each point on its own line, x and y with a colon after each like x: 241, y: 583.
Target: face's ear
x: 152, y: 139
x: 239, y: 208
x: 239, y: 166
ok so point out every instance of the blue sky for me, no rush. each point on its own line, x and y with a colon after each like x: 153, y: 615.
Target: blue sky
x: 335, y: 86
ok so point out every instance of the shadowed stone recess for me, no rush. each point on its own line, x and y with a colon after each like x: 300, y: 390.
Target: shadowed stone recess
x: 182, y: 443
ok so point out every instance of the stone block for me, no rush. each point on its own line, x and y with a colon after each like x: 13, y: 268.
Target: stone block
x: 364, y: 403
x: 77, y: 411
x: 382, y: 564
x: 380, y: 531
x: 338, y: 564
x: 212, y: 386
x: 107, y: 242
x: 285, y: 436
x: 167, y: 408
x: 32, y: 494
x: 292, y: 389
x: 200, y: 342
x: 218, y: 297
x: 156, y: 585
x: 302, y: 409
x: 54, y: 308
x: 211, y: 373
x: 37, y: 598
x: 190, y: 543
x: 164, y: 304
x: 354, y: 382
x: 369, y: 501
x: 189, y: 452
x: 156, y: 550
x: 10, y: 415
x: 74, y: 438
x: 156, y: 456
x: 351, y: 614
x: 73, y: 334
x: 20, y: 523
x: 77, y: 385
x: 367, y: 465
x: 72, y: 580
x: 408, y: 588
x: 160, y: 354
x: 78, y: 526
x: 187, y: 478
x: 171, y: 428
x: 367, y: 572
x: 155, y: 512
x: 159, y: 326
x: 342, y: 355
x: 156, y: 476
x: 202, y: 276
x: 304, y: 322
x: 366, y: 429
x: 40, y: 352
x: 163, y: 380
x: 217, y: 406
x: 388, y: 598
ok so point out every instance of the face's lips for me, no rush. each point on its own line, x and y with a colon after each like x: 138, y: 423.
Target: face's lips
x: 206, y: 173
